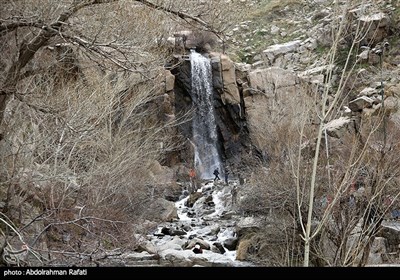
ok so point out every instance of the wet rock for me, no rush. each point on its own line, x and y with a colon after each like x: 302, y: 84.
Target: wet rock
x: 178, y: 238
x: 192, y: 199
x: 203, y: 244
x: 177, y: 232
x: 218, y: 248
x: 166, y: 231
x: 231, y: 243
x: 172, y: 232
x: 226, y: 215
x: 191, y: 214
x: 211, y: 203
x: 186, y: 227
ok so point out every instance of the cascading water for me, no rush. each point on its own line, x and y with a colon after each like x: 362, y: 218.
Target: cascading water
x: 207, y: 157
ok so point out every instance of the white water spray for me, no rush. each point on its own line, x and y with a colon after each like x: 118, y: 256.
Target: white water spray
x: 205, y: 139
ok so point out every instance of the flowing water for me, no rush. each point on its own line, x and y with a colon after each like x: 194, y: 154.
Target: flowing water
x: 210, y: 220
x: 205, y: 138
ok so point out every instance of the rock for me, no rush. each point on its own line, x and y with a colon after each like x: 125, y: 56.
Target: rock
x: 272, y: 52
x: 391, y: 104
x: 169, y: 81
x: 218, y: 248
x: 142, y: 256
x: 172, y: 232
x: 193, y: 198
x: 360, y: 103
x: 226, y: 215
x: 203, y: 244
x: 391, y: 232
x: 228, y: 76
x: 378, y: 27
x: 174, y: 243
x: 177, y: 232
x: 146, y: 246
x: 231, y: 243
x: 161, y: 210
x: 368, y: 91
x: 378, y: 250
x: 336, y: 128
x: 182, y: 258
x: 247, y: 224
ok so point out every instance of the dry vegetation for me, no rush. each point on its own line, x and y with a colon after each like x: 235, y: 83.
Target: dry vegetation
x: 329, y: 195
x: 81, y: 86
x: 347, y: 218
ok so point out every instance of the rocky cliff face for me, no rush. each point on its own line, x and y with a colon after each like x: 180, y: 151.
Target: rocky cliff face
x: 228, y: 102
x: 275, y: 63
x: 283, y: 74
x: 274, y: 69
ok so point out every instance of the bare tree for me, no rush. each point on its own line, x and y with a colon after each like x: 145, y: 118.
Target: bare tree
x: 334, y: 191
x: 80, y: 90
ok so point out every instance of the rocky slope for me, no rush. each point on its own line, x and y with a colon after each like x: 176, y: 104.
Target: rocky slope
x: 283, y: 47
x: 274, y: 59
x: 205, y: 217
x: 285, y: 51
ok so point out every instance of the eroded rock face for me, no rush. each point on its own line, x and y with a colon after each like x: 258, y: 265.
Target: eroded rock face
x: 285, y: 73
x: 225, y: 71
x: 228, y: 104
x: 162, y: 210
x: 243, y: 100
x: 272, y: 91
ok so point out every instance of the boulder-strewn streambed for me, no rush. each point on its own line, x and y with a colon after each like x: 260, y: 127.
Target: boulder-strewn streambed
x: 205, y: 217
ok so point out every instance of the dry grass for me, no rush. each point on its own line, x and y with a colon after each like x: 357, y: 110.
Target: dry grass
x: 268, y: 6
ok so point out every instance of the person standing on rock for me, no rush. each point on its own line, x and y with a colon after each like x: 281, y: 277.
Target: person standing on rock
x: 226, y: 175
x: 216, y: 173
x: 192, y: 176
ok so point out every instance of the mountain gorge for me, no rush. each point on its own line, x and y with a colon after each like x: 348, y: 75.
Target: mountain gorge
x: 98, y: 133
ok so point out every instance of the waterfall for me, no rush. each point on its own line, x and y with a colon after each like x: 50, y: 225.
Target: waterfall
x: 207, y: 157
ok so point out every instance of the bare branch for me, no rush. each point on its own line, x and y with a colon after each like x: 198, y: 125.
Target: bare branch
x: 9, y: 27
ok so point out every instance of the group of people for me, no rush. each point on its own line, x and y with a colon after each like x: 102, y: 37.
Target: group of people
x: 216, y: 173
x: 192, y: 175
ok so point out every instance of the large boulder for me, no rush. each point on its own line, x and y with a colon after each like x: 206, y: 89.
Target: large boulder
x: 378, y: 25
x: 193, y: 197
x: 271, y: 54
x: 224, y: 77
x: 336, y: 128
x: 161, y: 210
x: 247, y: 225
x: 163, y: 180
x: 391, y: 232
